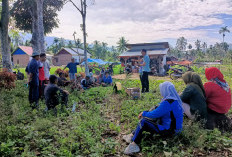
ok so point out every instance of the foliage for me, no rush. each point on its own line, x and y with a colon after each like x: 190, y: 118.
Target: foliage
x: 59, y: 70
x: 7, y: 79
x: 181, y: 44
x: 22, y: 13
x: 122, y: 45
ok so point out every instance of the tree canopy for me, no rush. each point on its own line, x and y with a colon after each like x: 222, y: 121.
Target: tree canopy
x: 22, y: 13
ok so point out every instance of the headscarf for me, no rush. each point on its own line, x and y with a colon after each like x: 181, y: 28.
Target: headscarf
x: 214, y: 74
x: 193, y: 79
x: 168, y: 91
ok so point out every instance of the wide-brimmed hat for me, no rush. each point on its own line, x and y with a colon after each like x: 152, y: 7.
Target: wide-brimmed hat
x: 35, y: 54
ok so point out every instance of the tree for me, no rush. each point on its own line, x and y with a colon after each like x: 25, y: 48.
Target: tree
x: 38, y: 17
x: 122, y: 45
x: 82, y: 10
x: 181, y: 44
x: 198, y: 45
x: 223, y: 31
x: 190, y: 46
x: 5, y: 40
x: 204, y: 47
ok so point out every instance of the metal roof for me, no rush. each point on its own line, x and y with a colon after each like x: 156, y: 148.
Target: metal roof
x: 131, y: 53
x: 71, y: 51
x: 81, y: 51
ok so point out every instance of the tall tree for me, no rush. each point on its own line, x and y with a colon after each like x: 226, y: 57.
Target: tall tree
x: 223, y: 31
x: 5, y: 40
x: 38, y: 17
x: 122, y: 45
x: 204, y: 47
x: 181, y: 44
x: 82, y: 10
x: 190, y: 47
x: 198, y: 45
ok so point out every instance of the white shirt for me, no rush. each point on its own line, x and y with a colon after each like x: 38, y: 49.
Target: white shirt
x: 46, y: 70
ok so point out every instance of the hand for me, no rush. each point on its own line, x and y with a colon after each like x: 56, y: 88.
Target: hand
x: 140, y: 115
x: 66, y: 92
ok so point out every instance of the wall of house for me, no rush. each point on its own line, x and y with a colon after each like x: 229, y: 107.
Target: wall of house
x: 21, y: 60
x: 61, y: 59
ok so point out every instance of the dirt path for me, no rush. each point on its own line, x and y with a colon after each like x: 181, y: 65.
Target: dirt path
x: 135, y: 76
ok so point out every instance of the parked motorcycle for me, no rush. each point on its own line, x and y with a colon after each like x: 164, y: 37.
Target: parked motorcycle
x: 176, y: 73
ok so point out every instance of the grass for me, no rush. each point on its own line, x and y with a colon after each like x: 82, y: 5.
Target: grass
x: 96, y: 128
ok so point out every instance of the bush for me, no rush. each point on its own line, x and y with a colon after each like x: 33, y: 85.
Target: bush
x: 7, y: 79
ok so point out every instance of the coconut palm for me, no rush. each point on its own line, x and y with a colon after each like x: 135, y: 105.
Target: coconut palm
x: 122, y: 44
x: 223, y: 31
x: 181, y: 44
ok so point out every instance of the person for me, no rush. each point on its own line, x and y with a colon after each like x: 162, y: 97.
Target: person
x: 193, y: 97
x: 141, y: 71
x: 107, y: 80
x: 111, y: 70
x: 55, y: 95
x: 33, y: 69
x: 165, y: 120
x: 86, y: 83
x: 100, y: 79
x: 103, y: 71
x: 128, y: 68
x: 218, y: 98
x: 41, y: 75
x: 146, y: 70
x: 72, y: 69
x: 62, y: 81
x: 92, y: 79
x: 46, y: 67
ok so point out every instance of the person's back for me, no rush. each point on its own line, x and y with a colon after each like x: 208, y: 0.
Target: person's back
x: 51, y: 95
x: 217, y: 98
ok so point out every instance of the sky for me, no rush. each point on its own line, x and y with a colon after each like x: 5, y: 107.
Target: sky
x: 141, y: 21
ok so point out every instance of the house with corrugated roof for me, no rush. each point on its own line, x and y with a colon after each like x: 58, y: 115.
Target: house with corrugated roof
x: 156, y: 51
x: 64, y: 56
x: 21, y: 55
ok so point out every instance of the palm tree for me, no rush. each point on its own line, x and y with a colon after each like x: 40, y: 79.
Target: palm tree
x: 122, y: 44
x: 198, y: 45
x: 204, y: 47
x: 223, y: 31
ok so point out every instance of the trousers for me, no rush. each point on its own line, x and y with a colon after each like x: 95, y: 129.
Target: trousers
x: 145, y: 82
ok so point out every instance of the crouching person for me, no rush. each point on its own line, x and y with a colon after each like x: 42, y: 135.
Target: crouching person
x: 55, y: 95
x: 165, y: 120
x: 107, y: 80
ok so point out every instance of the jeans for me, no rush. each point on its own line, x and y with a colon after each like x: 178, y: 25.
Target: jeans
x: 218, y: 120
x: 72, y: 76
x: 145, y: 82
x: 144, y: 125
x: 33, y: 93
x: 41, y: 88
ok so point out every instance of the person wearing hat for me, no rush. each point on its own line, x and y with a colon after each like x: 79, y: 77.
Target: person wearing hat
x: 33, y: 70
x: 73, y: 69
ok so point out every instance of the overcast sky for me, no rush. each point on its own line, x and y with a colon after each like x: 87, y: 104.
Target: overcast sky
x: 142, y: 21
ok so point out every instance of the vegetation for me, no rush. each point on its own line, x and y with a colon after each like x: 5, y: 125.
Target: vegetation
x: 97, y: 125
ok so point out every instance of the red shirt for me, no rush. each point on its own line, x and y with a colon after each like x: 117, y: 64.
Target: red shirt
x: 217, y: 98
x: 41, y: 74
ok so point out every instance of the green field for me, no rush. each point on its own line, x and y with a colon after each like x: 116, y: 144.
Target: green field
x: 96, y: 128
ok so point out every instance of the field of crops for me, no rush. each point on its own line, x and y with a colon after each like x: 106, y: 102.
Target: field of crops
x: 97, y: 125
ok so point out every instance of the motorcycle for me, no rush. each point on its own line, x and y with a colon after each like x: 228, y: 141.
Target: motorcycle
x: 176, y: 73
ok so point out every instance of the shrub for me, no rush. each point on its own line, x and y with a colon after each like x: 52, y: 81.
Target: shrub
x: 7, y: 79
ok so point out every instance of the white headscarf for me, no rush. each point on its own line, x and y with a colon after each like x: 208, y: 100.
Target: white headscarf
x: 168, y: 91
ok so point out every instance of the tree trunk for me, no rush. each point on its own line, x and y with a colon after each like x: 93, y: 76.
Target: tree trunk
x: 84, y: 36
x: 37, y: 27
x: 6, y: 55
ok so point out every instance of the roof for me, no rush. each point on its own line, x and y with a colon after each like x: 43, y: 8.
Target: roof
x: 148, y: 44
x: 131, y: 53
x: 75, y: 51
x: 27, y: 49
x: 184, y: 62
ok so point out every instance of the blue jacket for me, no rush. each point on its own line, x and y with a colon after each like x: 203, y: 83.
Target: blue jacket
x: 107, y: 80
x: 163, y: 112
x: 33, y: 68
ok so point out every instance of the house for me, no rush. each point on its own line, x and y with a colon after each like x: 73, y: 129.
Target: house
x: 21, y: 55
x: 156, y: 51
x: 64, y: 56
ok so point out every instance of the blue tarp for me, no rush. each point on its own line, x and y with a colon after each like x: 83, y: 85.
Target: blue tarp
x: 98, y: 61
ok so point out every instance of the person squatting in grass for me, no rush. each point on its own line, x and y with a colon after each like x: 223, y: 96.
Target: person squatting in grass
x: 55, y: 95
x: 166, y: 119
x: 218, y: 98
x: 33, y: 70
x: 107, y: 80
x: 193, y: 97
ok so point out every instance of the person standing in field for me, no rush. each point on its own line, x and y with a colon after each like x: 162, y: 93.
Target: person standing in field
x: 33, y: 70
x: 72, y: 69
x: 146, y: 69
x: 41, y: 75
x: 46, y: 67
